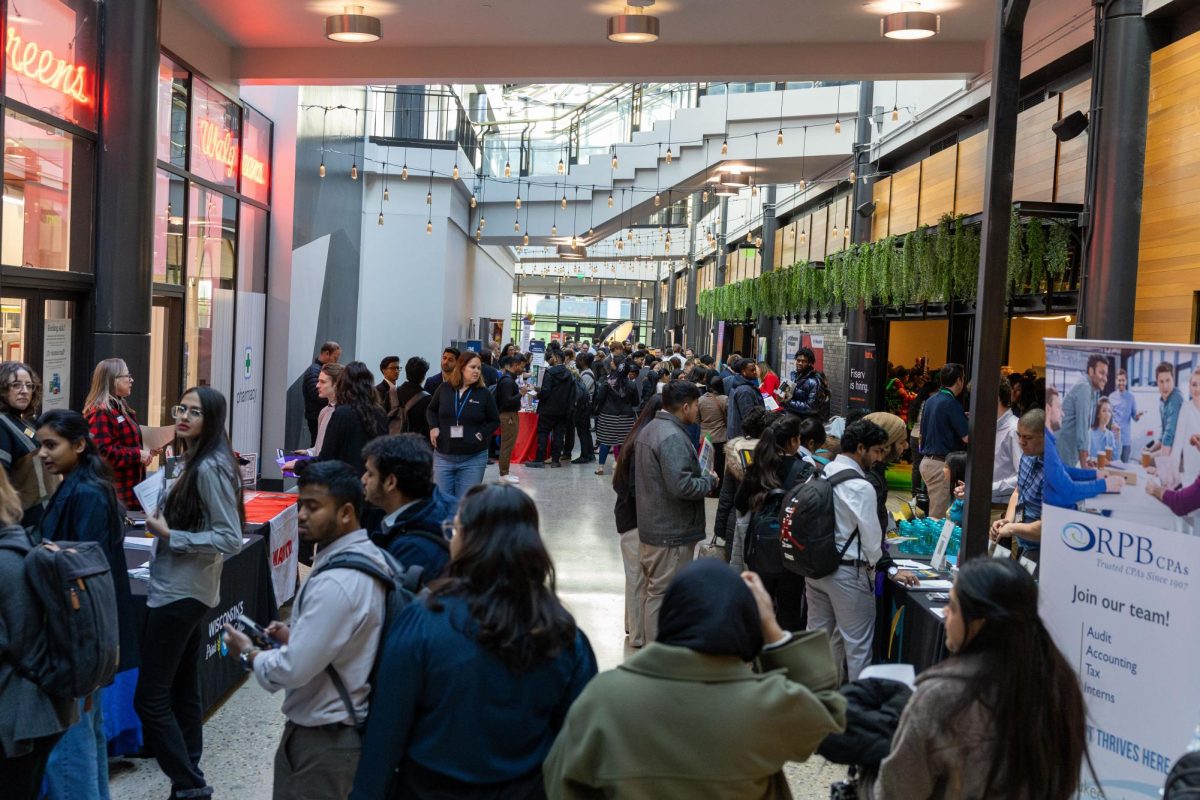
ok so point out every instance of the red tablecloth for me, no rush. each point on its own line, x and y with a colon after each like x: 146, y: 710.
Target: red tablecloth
x: 265, y: 506
x: 526, y: 447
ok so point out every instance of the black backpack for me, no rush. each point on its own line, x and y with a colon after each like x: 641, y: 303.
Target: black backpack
x: 401, y: 586
x: 821, y: 404
x: 763, y: 552
x: 73, y: 584
x: 1184, y: 781
x: 808, y: 527
x: 583, y: 397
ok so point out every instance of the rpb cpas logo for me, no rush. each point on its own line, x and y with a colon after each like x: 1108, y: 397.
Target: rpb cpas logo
x: 1078, y: 537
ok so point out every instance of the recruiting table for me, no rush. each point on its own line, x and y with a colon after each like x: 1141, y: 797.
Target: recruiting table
x: 526, y: 447
x: 909, y: 628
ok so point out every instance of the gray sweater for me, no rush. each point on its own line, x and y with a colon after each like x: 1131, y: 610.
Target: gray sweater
x: 26, y: 712
x: 188, y: 564
x: 668, y: 484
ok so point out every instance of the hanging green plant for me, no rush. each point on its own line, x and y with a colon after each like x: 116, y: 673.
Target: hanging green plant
x: 1058, y: 249
x: 1035, y: 254
x: 1018, y: 274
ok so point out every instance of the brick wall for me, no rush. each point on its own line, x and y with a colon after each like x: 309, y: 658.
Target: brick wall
x: 834, y: 358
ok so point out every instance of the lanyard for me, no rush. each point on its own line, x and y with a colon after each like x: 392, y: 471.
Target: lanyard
x: 459, y: 407
x: 948, y: 393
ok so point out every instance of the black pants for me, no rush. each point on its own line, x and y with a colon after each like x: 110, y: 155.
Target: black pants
x: 583, y: 432
x: 787, y: 590
x: 551, y: 436
x: 312, y: 430
x: 21, y: 777
x: 569, y: 439
x: 168, y: 692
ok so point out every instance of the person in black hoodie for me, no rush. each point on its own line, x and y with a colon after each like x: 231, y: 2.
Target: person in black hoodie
x: 358, y: 418
x: 508, y: 402
x: 399, y: 480
x: 462, y: 416
x: 556, y: 397
x: 411, y: 399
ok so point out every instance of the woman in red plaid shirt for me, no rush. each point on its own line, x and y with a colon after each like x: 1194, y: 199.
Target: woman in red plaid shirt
x: 115, y: 429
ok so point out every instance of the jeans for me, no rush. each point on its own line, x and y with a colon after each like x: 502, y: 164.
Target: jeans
x: 168, y: 692
x: 1125, y: 453
x: 583, y: 432
x: 454, y: 474
x: 843, y: 605
x: 616, y: 451
x: 21, y: 776
x: 510, y: 426
x: 551, y: 434
x: 78, y: 765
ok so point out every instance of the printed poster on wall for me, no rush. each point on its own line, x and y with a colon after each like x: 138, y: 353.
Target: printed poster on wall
x: 816, y: 343
x: 1118, y: 571
x: 792, y: 338
x: 56, y: 364
x: 860, y: 374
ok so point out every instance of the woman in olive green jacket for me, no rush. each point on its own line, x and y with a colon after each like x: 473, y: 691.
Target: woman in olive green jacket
x: 687, y: 717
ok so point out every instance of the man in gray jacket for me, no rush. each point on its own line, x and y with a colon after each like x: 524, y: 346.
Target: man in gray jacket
x: 337, y: 621
x: 669, y: 487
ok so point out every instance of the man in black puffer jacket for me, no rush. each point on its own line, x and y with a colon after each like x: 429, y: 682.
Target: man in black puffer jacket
x: 555, y: 401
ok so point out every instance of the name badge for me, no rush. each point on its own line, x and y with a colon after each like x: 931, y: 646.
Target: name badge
x: 120, y: 419
x: 29, y: 432
x: 456, y: 431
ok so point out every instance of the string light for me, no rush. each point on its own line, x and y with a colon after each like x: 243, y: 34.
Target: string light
x: 517, y: 225
x: 803, y: 236
x: 454, y: 174
x: 429, y: 198
x: 429, y: 227
x: 554, y: 230
x: 853, y: 176
x: 561, y: 167
x: 657, y: 200
x: 620, y: 244
x: 837, y: 120
x: 404, y: 172
x: 896, y: 104
x: 381, y: 218
x: 610, y: 200
x: 837, y: 126
x: 321, y: 169
x: 525, y: 240
x: 474, y: 202
x: 779, y: 137
x: 704, y: 196
x: 669, y: 154
x: 354, y: 172
x: 614, y: 158
x: 724, y: 147
x: 564, y: 199
x: 386, y: 195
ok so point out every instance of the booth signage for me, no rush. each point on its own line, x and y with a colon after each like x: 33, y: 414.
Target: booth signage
x: 30, y: 59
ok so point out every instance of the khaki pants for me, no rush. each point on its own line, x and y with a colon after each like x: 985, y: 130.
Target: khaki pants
x: 316, y: 763
x: 635, y: 588
x: 659, y: 565
x: 937, y: 486
x: 510, y: 425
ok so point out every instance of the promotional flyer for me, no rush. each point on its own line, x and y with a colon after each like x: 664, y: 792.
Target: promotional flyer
x: 1119, y: 566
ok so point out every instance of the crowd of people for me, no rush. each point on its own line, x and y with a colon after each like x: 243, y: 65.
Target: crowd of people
x: 427, y: 653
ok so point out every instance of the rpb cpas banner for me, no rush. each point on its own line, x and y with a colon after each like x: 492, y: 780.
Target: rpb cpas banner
x: 1119, y: 571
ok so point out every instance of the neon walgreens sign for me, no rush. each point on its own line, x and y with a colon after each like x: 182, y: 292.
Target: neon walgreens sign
x: 40, y: 64
x: 217, y: 144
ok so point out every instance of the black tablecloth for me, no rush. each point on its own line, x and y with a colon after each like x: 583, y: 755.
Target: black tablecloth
x: 245, y: 589
x: 907, y: 630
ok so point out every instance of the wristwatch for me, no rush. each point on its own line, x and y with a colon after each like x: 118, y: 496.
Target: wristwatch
x: 245, y: 658
x: 893, y: 571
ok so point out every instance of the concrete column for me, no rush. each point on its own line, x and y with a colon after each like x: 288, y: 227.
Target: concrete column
x: 857, y: 324
x: 125, y: 195
x: 766, y: 325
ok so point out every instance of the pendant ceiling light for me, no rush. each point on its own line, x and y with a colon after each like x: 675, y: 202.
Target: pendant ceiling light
x: 352, y: 26
x: 910, y: 23
x: 572, y: 253
x: 633, y: 26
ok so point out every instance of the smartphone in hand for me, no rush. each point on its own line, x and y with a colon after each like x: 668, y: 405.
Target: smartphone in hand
x: 257, y: 633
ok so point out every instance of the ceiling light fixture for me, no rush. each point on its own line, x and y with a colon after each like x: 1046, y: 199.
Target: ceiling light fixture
x: 634, y: 25
x: 572, y: 252
x: 352, y: 26
x: 910, y: 23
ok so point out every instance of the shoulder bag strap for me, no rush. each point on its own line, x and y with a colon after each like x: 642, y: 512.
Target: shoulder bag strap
x: 842, y: 477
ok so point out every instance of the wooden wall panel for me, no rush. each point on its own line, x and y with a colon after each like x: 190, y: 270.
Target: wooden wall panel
x: 1169, y: 246
x: 972, y: 164
x: 1036, y: 151
x: 881, y: 194
x: 938, y: 174
x: 906, y: 200
x: 837, y: 221
x: 818, y: 235
x: 1072, y: 155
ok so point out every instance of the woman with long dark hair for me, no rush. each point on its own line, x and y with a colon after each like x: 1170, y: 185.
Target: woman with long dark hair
x: 615, y: 401
x: 115, y: 428
x: 971, y: 730
x: 199, y: 523
x: 357, y: 417
x: 20, y: 403
x: 776, y: 468
x: 462, y: 416
x: 84, y: 509
x: 476, y: 679
x: 625, y: 512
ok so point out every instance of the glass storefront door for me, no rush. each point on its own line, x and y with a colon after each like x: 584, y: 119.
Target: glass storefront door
x: 38, y: 328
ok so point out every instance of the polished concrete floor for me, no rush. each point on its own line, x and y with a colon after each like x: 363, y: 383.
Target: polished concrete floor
x: 577, y: 524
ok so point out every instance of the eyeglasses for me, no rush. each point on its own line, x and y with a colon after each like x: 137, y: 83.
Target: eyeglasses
x: 179, y: 412
x: 16, y: 385
x: 449, y: 529
x: 124, y: 375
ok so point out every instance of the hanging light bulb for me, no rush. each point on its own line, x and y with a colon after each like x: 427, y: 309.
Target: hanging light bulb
x: 724, y: 147
x: 429, y: 226
x: 525, y: 240
x: 895, y: 114
x: 610, y: 200
x: 803, y: 184
x: 554, y: 230
x: 354, y: 172
x: 473, y: 200
x: 429, y: 198
x: 482, y: 223
x: 754, y: 191
x: 591, y: 232
x: 454, y: 174
x: 507, y: 170
x: 518, y: 203
x: 846, y: 232
x: 321, y: 169
x: 574, y: 241
x: 779, y: 137
x: 803, y: 237
x: 669, y: 156
x: 853, y: 175
x: 620, y: 244
x: 386, y: 195
x: 758, y: 241
x: 614, y: 159
x: 381, y: 218
x: 561, y: 167
x: 837, y: 126
x: 564, y: 200
x: 517, y: 225
x: 478, y: 234
x: 629, y: 235
x: 704, y: 196
x: 657, y: 200
x: 404, y: 172
x: 835, y: 230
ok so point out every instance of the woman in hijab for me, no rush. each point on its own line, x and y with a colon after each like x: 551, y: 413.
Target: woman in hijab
x: 694, y: 680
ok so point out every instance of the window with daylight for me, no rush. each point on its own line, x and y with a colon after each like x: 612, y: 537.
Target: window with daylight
x: 50, y: 58
x: 216, y: 136
x: 256, y: 156
x: 171, y: 146
x: 208, y: 323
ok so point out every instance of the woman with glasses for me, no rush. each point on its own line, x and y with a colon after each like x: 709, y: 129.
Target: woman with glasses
x: 84, y: 509
x: 115, y: 428
x: 199, y: 522
x: 20, y: 401
x: 475, y: 678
